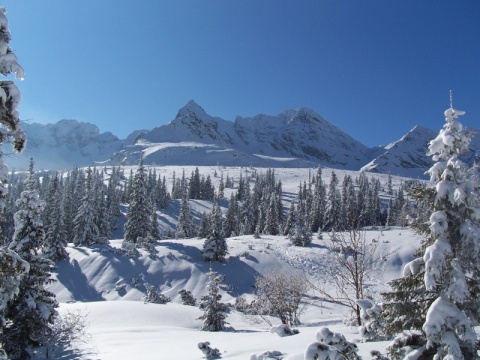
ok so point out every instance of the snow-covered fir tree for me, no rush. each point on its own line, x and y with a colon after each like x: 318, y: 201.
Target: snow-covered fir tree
x: 54, y: 246
x: 215, y: 246
x: 213, y: 310
x: 32, y: 311
x: 231, y: 224
x: 185, y: 224
x: 204, y: 226
x: 334, y: 205
x: 299, y: 234
x: 10, y: 98
x: 445, y: 281
x: 138, y: 216
x: 271, y: 220
x: 85, y: 227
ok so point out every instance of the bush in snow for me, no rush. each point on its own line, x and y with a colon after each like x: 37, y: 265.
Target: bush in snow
x: 377, y: 355
x: 283, y: 330
x: 280, y: 294
x: 241, y: 304
x: 147, y: 244
x: 409, y: 343
x: 213, y: 310
x: 154, y: 297
x: 267, y: 355
x: 373, y: 323
x: 187, y: 297
x: 69, y: 332
x: 130, y: 250
x: 208, y: 351
x: 319, y: 351
x: 335, y: 346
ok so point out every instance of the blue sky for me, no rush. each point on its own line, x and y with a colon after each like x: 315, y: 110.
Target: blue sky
x: 373, y: 68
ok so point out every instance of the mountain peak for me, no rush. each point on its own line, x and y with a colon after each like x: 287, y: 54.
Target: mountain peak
x: 191, y: 108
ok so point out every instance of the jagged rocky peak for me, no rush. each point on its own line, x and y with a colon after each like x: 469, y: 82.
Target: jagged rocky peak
x: 192, y: 108
x: 303, y: 114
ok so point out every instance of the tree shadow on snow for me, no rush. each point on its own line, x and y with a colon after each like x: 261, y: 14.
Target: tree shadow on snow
x: 71, y: 276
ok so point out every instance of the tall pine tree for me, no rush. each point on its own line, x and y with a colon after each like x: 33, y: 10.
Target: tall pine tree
x: 32, y: 311
x: 445, y: 281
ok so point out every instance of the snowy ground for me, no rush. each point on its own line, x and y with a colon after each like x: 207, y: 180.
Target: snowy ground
x: 101, y: 284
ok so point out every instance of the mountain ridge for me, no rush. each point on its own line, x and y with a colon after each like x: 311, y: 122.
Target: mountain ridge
x: 293, y: 138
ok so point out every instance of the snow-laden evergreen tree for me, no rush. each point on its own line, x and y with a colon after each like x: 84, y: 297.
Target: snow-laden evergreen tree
x: 334, y: 204
x: 231, y: 225
x: 85, y: 228
x: 271, y: 219
x: 54, y: 246
x: 213, y: 310
x: 102, y: 215
x: 185, y: 224
x: 154, y: 232
x: 203, y: 229
x: 32, y: 311
x: 290, y: 221
x: 154, y: 297
x: 317, y: 214
x: 9, y: 100
x: 13, y: 268
x: 215, y: 246
x: 450, y: 265
x: 300, y: 234
x: 138, y: 216
x: 187, y: 298
x: 113, y: 198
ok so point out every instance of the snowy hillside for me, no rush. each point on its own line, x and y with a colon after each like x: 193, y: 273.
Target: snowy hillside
x: 294, y: 138
x: 109, y: 288
x: 406, y: 157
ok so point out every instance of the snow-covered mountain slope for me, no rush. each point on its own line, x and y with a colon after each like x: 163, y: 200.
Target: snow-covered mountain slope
x: 405, y: 157
x: 294, y: 138
x: 64, y: 144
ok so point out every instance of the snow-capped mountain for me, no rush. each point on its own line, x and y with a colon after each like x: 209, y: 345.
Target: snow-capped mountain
x: 64, y: 144
x: 406, y: 157
x: 293, y: 138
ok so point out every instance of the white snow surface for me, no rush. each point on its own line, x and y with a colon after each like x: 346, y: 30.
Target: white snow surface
x: 122, y: 327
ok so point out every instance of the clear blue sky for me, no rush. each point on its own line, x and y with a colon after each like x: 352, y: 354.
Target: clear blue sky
x: 374, y: 68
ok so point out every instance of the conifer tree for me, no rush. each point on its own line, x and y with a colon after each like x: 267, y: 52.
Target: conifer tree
x: 185, y: 224
x: 85, y: 227
x: 32, y: 311
x: 271, y: 219
x: 231, y: 220
x: 203, y: 229
x: 138, y: 216
x: 9, y: 100
x: 333, y: 217
x: 445, y: 281
x: 213, y: 310
x: 300, y: 234
x: 215, y: 246
x: 54, y: 247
